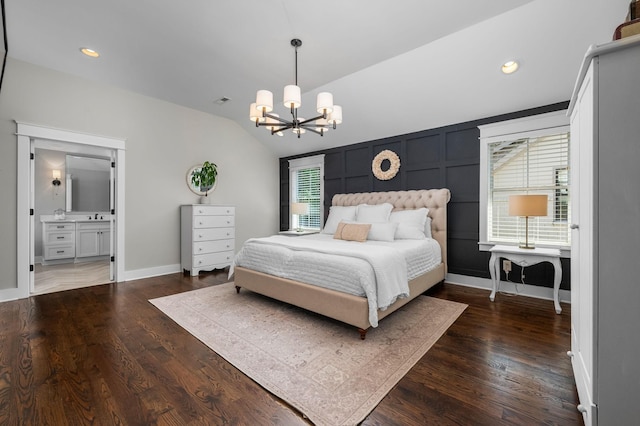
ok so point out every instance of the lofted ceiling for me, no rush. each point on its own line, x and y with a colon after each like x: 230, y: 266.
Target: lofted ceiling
x: 395, y: 67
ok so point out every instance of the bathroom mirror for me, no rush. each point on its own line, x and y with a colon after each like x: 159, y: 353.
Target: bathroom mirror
x: 87, y: 184
x: 195, y: 189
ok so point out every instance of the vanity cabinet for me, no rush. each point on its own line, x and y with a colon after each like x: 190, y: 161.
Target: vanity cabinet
x: 207, y: 237
x: 92, y: 239
x: 58, y: 240
x: 605, y: 204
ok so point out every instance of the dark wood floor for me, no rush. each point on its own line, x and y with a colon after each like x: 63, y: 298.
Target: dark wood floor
x: 105, y: 355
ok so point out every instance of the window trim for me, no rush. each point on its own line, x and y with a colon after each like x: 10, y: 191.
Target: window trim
x: 304, y: 163
x: 528, y: 127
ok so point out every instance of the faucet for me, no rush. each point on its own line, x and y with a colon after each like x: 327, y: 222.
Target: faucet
x: 96, y: 218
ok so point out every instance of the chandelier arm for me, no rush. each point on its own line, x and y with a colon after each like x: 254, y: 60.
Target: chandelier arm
x: 314, y: 130
x: 284, y: 127
x: 312, y: 119
x: 274, y: 117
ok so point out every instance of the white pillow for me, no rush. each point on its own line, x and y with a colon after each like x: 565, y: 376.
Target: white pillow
x: 337, y: 214
x: 411, y: 223
x: 427, y: 228
x: 382, y: 231
x: 373, y: 213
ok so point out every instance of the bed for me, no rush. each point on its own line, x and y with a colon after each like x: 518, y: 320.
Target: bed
x: 349, y: 308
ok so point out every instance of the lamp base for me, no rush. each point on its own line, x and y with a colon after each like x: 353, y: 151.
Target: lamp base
x: 527, y: 246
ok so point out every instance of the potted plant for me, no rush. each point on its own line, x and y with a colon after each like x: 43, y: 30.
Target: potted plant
x: 204, y: 178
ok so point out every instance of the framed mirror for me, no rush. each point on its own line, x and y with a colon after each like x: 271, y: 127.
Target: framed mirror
x: 87, y: 183
x: 197, y: 190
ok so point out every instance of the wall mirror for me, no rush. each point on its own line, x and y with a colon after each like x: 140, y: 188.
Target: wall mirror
x: 195, y: 189
x: 87, y: 183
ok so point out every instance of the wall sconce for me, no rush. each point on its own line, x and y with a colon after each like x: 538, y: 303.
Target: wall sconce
x: 299, y: 209
x: 527, y: 206
x: 56, y: 178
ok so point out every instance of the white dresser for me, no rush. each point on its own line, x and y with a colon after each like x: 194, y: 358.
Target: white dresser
x: 605, y: 204
x: 207, y: 237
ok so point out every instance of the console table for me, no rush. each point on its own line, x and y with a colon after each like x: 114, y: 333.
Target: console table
x: 523, y: 258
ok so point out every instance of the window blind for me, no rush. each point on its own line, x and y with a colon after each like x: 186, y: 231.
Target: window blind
x: 307, y: 190
x: 534, y: 165
x: 306, y: 186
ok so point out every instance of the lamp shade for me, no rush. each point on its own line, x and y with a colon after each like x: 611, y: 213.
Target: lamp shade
x: 292, y: 96
x: 336, y: 115
x: 324, y: 102
x: 56, y: 174
x: 255, y: 114
x: 264, y: 99
x: 299, y: 208
x: 528, y: 205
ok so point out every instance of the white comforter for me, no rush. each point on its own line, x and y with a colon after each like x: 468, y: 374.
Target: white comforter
x: 378, y: 270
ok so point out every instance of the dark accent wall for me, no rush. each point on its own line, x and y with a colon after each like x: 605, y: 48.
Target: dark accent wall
x: 446, y: 157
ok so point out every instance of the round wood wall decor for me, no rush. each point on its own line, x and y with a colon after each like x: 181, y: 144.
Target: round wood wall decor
x: 376, y: 165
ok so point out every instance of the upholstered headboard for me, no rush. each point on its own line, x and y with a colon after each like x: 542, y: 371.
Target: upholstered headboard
x: 434, y: 199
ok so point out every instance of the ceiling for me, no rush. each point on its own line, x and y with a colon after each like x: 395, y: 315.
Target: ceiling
x: 394, y: 67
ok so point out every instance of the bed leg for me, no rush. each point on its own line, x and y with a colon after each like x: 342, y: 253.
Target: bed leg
x: 238, y: 289
x: 363, y: 333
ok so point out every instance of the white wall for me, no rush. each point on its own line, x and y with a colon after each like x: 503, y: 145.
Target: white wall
x: 163, y: 141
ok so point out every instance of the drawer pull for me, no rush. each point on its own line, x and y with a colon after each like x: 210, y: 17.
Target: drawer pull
x: 60, y: 238
x: 60, y: 226
x: 200, y: 249
x: 60, y: 251
x: 199, y: 236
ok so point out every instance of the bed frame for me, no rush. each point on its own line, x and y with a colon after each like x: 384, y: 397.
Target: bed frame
x: 354, y: 310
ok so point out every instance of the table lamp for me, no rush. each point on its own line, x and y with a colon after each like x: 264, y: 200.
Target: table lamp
x: 299, y: 209
x: 527, y: 205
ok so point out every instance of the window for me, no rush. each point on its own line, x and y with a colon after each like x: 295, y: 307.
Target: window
x: 525, y: 156
x: 306, y: 184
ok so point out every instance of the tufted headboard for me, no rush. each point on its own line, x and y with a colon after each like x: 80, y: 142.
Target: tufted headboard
x: 434, y: 199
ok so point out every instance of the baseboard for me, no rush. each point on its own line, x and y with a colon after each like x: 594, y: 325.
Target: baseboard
x: 9, y: 294
x: 509, y: 287
x: 138, y: 274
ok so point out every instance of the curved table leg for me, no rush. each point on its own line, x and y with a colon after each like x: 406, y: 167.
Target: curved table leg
x: 556, y: 284
x: 494, y: 279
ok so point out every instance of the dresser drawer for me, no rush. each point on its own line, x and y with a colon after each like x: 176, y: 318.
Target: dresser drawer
x: 59, y: 237
x: 53, y: 227
x: 214, y: 211
x: 222, y: 258
x: 59, y: 252
x: 213, y: 221
x: 208, y: 234
x: 203, y: 247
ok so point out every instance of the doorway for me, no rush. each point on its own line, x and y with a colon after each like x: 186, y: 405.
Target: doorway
x: 32, y: 138
x: 72, y: 203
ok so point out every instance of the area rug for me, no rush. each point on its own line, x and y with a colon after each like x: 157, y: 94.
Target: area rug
x: 317, y: 365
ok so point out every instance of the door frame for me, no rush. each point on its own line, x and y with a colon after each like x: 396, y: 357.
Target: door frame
x: 26, y: 135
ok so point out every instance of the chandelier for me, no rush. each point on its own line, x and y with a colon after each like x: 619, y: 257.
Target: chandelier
x: 260, y: 110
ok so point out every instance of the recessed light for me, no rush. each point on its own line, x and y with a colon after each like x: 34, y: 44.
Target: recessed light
x: 509, y: 67
x: 89, y: 52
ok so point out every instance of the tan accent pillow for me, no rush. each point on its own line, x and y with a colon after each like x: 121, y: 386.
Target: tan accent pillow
x: 352, y: 231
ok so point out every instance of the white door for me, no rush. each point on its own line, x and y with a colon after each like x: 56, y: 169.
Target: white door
x: 582, y: 255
